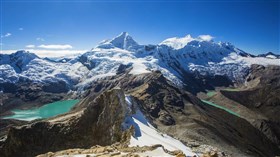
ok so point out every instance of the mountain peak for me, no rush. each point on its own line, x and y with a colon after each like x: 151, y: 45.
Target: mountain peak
x: 124, y: 34
x: 123, y: 41
x: 180, y: 42
x: 177, y: 42
x: 269, y: 55
x: 24, y: 52
x: 18, y: 60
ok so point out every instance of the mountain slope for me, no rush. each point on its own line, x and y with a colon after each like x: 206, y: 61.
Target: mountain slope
x: 182, y: 115
x: 193, y: 65
x: 99, y: 123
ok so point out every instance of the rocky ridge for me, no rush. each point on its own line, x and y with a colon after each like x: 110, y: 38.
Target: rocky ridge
x: 99, y: 123
x: 188, y: 119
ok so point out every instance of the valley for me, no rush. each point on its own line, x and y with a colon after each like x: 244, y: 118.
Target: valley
x: 194, y: 97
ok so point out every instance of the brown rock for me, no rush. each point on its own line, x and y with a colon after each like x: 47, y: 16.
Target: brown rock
x: 211, y: 154
x: 99, y: 123
x: 181, y: 155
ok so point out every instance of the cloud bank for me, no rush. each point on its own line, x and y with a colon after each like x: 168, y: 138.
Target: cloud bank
x: 49, y: 53
x: 30, y: 46
x: 62, y: 47
x: 206, y: 37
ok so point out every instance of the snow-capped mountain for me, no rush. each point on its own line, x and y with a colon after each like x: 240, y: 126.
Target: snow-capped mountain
x: 24, y: 65
x: 174, y: 57
x: 270, y: 55
x: 17, y: 60
x: 177, y: 43
x: 122, y: 41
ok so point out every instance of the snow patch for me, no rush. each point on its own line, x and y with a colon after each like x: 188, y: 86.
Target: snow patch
x: 177, y: 43
x: 271, y: 56
x: 147, y: 135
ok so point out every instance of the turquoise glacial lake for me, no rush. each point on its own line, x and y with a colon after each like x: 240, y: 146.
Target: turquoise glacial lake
x: 221, y: 107
x: 46, y: 111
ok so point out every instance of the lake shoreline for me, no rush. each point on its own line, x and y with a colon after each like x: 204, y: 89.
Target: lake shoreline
x: 44, y: 111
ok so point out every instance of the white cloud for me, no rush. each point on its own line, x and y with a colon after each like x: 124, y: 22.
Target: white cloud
x: 49, y: 53
x: 30, y: 46
x: 6, y: 35
x: 20, y: 29
x: 56, y: 46
x: 206, y: 37
x: 7, y: 51
x: 40, y: 39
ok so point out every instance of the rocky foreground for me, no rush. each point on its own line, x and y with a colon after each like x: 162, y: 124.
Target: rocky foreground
x: 119, y: 150
x: 98, y: 124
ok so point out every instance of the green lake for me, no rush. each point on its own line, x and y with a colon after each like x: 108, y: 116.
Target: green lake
x: 231, y: 89
x: 46, y: 111
x: 221, y: 107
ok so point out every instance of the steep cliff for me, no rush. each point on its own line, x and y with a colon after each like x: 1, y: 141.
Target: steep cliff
x: 99, y: 123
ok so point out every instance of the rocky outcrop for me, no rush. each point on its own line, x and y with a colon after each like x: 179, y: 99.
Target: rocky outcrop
x: 116, y: 150
x: 99, y: 123
x: 155, y: 94
x: 158, y: 97
x: 56, y: 87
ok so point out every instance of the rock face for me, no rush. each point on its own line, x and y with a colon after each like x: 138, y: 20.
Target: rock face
x: 153, y: 91
x: 158, y: 98
x: 234, y: 130
x: 262, y: 96
x: 263, y: 93
x: 99, y: 123
x: 184, y: 116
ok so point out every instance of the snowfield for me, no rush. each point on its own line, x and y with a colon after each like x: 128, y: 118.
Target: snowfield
x: 172, y: 57
x: 147, y: 135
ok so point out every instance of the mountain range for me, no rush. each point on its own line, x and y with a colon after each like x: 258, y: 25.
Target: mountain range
x: 199, y: 94
x: 174, y: 57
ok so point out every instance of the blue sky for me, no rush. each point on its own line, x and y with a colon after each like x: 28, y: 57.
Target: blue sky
x: 79, y: 25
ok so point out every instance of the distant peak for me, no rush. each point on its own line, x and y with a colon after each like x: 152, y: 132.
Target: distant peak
x: 123, y: 34
x: 18, y: 60
x: 180, y: 42
x: 269, y: 55
x: 177, y: 42
x: 24, y: 53
x: 122, y: 41
x: 121, y: 37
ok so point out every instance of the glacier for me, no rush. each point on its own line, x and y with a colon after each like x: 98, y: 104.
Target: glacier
x: 173, y: 57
